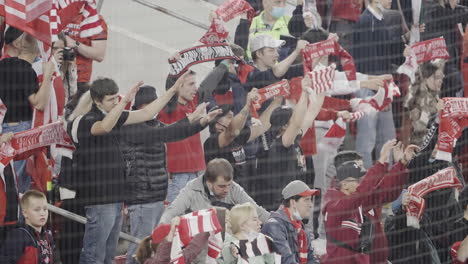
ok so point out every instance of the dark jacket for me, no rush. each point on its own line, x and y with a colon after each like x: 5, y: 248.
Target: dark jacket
x: 284, y: 235
x: 144, y: 152
x: 24, y: 245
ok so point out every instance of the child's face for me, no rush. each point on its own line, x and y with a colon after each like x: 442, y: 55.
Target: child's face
x: 253, y: 224
x: 36, y: 213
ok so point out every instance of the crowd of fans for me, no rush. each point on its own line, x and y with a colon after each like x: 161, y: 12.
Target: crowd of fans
x: 339, y: 167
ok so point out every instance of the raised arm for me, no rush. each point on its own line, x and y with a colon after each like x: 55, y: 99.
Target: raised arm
x: 280, y: 69
x: 238, y: 122
x: 256, y: 131
x: 108, y: 123
x: 41, y: 98
x: 149, y: 111
x: 315, y: 104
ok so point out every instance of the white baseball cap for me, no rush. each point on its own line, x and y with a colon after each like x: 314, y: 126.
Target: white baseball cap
x: 264, y: 41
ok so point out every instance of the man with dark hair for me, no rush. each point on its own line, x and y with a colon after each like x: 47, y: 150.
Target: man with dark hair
x: 13, y: 43
x: 214, y: 188
x: 185, y: 158
x: 285, y: 225
x: 100, y: 165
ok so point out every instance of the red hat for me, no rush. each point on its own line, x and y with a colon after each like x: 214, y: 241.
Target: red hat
x: 160, y: 232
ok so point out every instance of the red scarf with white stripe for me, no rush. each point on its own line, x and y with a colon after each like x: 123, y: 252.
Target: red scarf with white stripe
x: 232, y: 8
x: 280, y: 88
x: 301, y: 237
x: 193, y: 224
x: 325, y: 48
x: 446, y: 178
x: 453, y: 120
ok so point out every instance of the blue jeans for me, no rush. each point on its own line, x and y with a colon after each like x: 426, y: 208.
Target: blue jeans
x: 143, y: 219
x: 102, y: 232
x: 177, y: 182
x: 373, y: 132
x: 24, y: 180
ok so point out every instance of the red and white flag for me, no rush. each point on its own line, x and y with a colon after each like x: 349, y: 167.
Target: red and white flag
x: 446, y: 178
x: 193, y: 224
x: 322, y: 78
x: 334, y: 136
x: 217, y: 33
x: 232, y: 8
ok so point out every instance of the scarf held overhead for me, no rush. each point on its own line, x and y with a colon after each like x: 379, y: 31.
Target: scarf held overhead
x: 280, y: 88
x: 446, y: 178
x: 216, y: 34
x: 193, y: 224
x: 199, y: 54
x: 232, y: 8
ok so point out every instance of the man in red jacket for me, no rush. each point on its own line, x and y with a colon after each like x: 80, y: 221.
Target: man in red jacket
x: 356, y: 199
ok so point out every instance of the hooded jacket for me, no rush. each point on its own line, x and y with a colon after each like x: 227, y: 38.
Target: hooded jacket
x: 344, y: 214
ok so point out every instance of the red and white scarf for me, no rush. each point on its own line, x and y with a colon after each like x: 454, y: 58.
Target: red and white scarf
x: 446, y: 178
x: 193, y: 224
x: 301, y: 237
x: 260, y: 246
x: 322, y: 78
x: 378, y: 102
x: 280, y: 88
x: 26, y: 142
x: 430, y: 50
x: 453, y: 120
x: 3, y: 110
x: 325, y: 48
x: 232, y: 8
x: 216, y: 34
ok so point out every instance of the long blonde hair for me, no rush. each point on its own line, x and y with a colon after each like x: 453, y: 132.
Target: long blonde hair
x: 239, y: 214
x: 83, y: 106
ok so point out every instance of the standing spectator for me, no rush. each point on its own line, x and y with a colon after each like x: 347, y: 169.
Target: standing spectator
x: 100, y: 165
x: 230, y: 134
x: 354, y: 207
x: 20, y: 92
x: 185, y: 158
x: 30, y: 242
x: 372, y: 54
x: 214, y: 188
x: 88, y: 49
x: 9, y: 201
x: 459, y: 228
x: 272, y: 21
x: 144, y: 152
x: 13, y: 42
x: 284, y: 161
x: 285, y: 225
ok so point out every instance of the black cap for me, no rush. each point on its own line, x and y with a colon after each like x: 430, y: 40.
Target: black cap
x: 11, y: 34
x: 346, y: 155
x: 349, y: 169
x: 145, y: 95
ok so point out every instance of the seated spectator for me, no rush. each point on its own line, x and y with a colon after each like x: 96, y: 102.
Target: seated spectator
x: 285, y: 225
x: 30, y: 242
x: 421, y: 101
x: 214, y: 188
x: 229, y: 134
x: 283, y: 161
x: 156, y: 249
x: 354, y: 207
x: 144, y: 151
x: 245, y: 228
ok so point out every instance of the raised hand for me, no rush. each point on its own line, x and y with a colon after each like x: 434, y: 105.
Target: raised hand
x: 386, y: 150
x: 301, y: 44
x: 346, y: 115
x: 6, y: 137
x: 410, y: 152
x: 252, y: 96
x: 132, y: 92
x: 199, y: 112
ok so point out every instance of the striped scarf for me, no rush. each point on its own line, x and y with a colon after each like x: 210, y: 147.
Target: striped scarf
x: 301, y: 237
x: 260, y: 246
x: 193, y: 224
